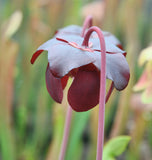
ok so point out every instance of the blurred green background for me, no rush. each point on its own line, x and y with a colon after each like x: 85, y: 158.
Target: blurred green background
x: 31, y: 124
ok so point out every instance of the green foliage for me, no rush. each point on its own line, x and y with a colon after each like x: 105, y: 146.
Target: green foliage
x: 115, y: 147
x: 79, y: 122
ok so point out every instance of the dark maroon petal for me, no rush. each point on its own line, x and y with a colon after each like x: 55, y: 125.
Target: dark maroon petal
x: 109, y: 91
x: 84, y: 91
x: 64, y: 81
x: 35, y: 55
x: 89, y: 67
x: 54, y: 86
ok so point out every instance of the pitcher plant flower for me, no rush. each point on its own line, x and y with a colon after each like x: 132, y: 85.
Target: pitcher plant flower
x: 89, y: 56
x: 69, y: 58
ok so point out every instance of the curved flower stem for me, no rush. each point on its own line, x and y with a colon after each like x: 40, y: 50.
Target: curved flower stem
x: 100, y: 140
x: 87, y: 23
x: 109, y: 92
x: 66, y: 133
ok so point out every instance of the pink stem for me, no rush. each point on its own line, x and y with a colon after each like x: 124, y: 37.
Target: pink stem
x: 109, y: 92
x: 100, y: 139
x: 87, y: 23
x: 66, y: 133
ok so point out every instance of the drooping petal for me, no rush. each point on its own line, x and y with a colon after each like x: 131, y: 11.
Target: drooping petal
x: 71, y: 38
x: 54, y: 86
x: 45, y: 46
x: 110, y: 47
x: 63, y: 58
x: 111, y: 38
x: 76, y: 30
x: 116, y: 64
x: 35, y: 56
x: 117, y: 70
x: 70, y: 30
x: 83, y: 94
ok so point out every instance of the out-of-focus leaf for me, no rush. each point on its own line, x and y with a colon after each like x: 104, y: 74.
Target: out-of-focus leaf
x: 12, y: 25
x: 145, y: 56
x: 58, y: 126
x: 142, y: 82
x: 138, y: 105
x: 96, y: 10
x: 147, y: 94
x: 109, y: 158
x: 115, y: 147
x: 79, y: 123
x: 7, y: 66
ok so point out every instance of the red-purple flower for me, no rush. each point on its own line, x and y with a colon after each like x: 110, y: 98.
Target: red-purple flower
x: 67, y: 57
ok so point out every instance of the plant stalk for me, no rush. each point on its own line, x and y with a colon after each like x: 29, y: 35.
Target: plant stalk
x: 87, y: 24
x: 100, y: 139
x: 66, y: 133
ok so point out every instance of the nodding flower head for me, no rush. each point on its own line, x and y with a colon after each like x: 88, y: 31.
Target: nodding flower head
x: 68, y: 57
